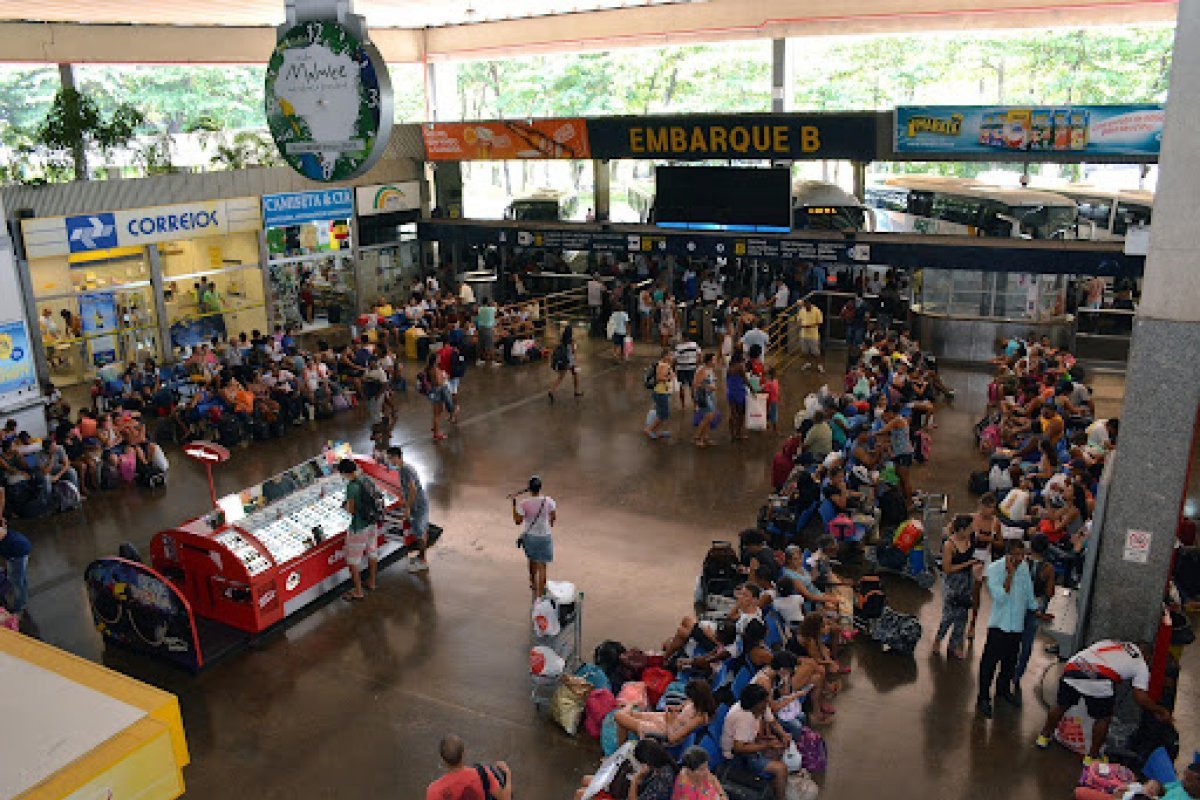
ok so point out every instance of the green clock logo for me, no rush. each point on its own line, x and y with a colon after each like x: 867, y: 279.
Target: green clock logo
x: 328, y: 101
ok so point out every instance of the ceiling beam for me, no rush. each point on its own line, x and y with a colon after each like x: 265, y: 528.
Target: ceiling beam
x: 53, y: 42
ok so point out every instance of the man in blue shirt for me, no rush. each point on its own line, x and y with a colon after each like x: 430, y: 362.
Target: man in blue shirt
x: 1011, y: 587
x: 14, y: 549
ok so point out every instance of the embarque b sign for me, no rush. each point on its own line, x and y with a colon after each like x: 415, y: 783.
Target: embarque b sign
x: 328, y: 101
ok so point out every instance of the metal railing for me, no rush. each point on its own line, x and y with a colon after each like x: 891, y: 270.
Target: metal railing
x: 783, y: 351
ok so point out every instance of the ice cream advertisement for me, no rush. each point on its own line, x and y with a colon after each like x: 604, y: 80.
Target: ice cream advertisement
x: 1080, y: 130
x: 509, y: 139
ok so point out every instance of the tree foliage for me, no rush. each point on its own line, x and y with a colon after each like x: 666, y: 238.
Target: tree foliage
x: 75, y: 125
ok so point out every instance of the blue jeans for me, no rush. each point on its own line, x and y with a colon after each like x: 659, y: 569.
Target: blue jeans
x: 1028, y: 637
x: 18, y: 577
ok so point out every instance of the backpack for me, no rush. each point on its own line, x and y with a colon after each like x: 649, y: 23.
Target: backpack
x: 66, y: 496
x: 978, y: 482
x: 559, y: 358
x: 814, y: 755
x: 719, y: 575
x: 458, y: 364
x: 152, y: 477
x: 372, y: 501
x: 896, y: 631
x: 423, y: 386
x: 127, y: 465
x: 869, y: 598
x: 651, y: 376
x: 483, y: 771
x: 598, y: 706
x: 657, y: 680
x: 110, y: 477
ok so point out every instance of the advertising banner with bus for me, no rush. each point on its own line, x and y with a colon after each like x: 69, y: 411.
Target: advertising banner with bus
x: 1079, y: 131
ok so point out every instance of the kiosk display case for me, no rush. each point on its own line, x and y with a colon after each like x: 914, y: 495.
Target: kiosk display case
x: 215, y: 582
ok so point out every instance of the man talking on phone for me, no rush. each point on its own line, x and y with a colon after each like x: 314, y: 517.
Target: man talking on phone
x: 1011, y: 587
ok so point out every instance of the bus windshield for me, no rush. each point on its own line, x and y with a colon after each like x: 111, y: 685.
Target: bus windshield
x: 1045, y: 222
x: 829, y: 218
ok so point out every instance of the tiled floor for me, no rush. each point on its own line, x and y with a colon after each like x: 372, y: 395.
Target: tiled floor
x: 349, y: 702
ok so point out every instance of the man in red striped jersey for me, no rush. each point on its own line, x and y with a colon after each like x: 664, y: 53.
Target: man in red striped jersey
x: 1092, y: 675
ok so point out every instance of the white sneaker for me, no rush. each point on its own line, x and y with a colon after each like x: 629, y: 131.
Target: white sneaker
x: 479, y: 363
x: 496, y: 364
x: 821, y: 368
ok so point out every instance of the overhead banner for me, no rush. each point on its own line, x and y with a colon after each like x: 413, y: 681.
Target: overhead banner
x: 17, y: 371
x: 503, y: 140
x: 387, y: 198
x: 295, y: 208
x: 737, y: 136
x: 1082, y: 131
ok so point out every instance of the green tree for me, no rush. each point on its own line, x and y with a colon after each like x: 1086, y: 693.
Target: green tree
x: 75, y: 124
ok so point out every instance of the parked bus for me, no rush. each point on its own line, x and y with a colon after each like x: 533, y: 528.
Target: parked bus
x: 822, y: 206
x: 1105, y: 214
x: 965, y: 207
x: 544, y: 205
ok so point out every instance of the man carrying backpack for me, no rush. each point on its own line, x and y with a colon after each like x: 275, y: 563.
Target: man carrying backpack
x: 364, y: 506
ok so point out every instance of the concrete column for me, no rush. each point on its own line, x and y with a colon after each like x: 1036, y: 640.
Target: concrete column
x: 602, y: 181
x: 860, y: 179
x: 781, y: 75
x: 159, y: 298
x: 1162, y: 387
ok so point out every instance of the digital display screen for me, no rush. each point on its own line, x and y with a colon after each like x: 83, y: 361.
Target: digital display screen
x: 723, y: 198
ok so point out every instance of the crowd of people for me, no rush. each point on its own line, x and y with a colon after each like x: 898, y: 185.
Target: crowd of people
x: 757, y: 670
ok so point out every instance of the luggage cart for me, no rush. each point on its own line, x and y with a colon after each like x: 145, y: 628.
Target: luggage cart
x: 568, y: 644
x: 935, y: 513
x: 921, y: 564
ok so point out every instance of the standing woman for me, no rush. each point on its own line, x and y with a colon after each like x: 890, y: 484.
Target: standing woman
x: 563, y: 361
x: 706, y: 401
x: 735, y: 394
x: 958, y: 562
x: 985, y: 527
x: 439, y: 395
x: 645, y: 308
x: 538, y: 514
x: 668, y: 324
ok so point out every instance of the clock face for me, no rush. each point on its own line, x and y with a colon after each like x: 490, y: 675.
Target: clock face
x: 328, y: 102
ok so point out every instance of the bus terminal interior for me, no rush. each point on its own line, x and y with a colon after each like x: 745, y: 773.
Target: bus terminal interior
x: 340, y: 696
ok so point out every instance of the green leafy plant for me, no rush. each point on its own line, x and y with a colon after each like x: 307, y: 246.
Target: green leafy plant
x: 245, y: 149
x: 74, y: 124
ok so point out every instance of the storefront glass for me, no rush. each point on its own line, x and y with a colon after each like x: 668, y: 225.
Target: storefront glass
x: 94, y: 309
x: 213, y: 287
x: 96, y: 279
x: 311, y: 271
x: 998, y: 295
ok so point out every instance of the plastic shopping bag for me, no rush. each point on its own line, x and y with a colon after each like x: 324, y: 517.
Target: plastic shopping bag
x: 545, y: 663
x: 756, y: 412
x: 545, y: 618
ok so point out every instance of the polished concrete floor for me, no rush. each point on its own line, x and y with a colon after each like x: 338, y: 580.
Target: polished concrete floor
x: 349, y: 701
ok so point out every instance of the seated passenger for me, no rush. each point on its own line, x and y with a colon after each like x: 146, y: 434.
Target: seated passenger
x: 754, y: 741
x: 672, y: 725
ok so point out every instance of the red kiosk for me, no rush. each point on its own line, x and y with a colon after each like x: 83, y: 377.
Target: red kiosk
x: 258, y: 557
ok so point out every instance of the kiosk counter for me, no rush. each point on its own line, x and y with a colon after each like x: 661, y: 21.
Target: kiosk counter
x: 269, y: 550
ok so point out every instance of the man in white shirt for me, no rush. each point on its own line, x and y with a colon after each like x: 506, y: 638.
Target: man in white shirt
x: 466, y: 294
x: 742, y: 743
x: 1102, y: 434
x: 1092, y: 675
x: 710, y: 289
x: 618, y: 329
x: 780, y: 296
x: 595, y: 295
x: 755, y: 336
x: 687, y: 359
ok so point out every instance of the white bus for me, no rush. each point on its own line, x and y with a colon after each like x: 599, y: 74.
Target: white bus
x: 1105, y: 214
x: 818, y: 205
x: 965, y: 207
